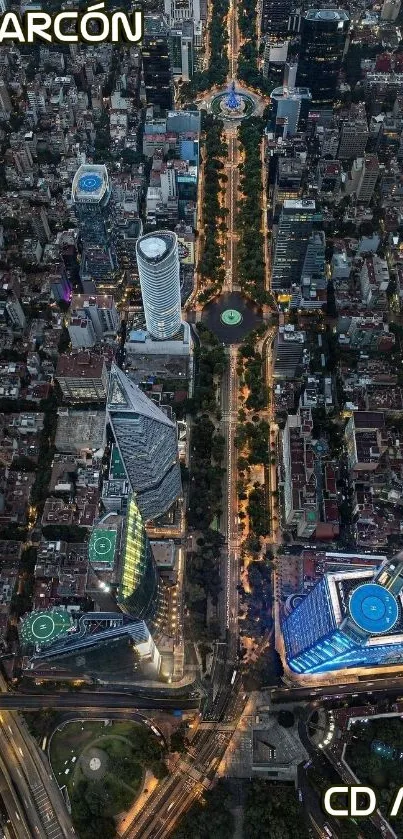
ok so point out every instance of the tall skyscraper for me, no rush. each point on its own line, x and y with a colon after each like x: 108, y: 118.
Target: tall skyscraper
x: 390, y: 10
x: 323, y: 37
x: 95, y: 643
x: 92, y: 319
x: 288, y: 352
x: 158, y: 265
x: 275, y: 14
x: 147, y: 444
x: 91, y: 195
x: 181, y: 45
x: 349, y: 619
x: 312, y: 294
x: 157, y: 69
x: 368, y: 168
x: 297, y: 221
x: 140, y: 590
x: 289, y: 183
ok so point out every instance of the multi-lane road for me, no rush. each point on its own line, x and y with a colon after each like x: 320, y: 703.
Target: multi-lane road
x: 361, y: 690
x: 195, y: 770
x: 41, y: 811
x: 88, y: 701
x: 231, y: 552
x: 12, y: 803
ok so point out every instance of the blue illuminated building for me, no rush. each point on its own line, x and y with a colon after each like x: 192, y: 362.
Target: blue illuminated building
x: 351, y: 618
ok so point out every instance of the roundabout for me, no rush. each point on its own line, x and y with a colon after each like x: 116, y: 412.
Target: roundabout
x: 233, y: 105
x: 231, y: 317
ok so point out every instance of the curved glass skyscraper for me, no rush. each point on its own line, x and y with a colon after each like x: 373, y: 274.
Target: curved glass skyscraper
x: 158, y: 265
x: 140, y: 591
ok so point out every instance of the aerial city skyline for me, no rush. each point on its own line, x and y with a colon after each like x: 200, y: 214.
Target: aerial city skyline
x: 201, y: 410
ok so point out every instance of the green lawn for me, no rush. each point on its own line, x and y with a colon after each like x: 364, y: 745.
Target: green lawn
x: 71, y: 740
x: 383, y: 775
x: 128, y: 749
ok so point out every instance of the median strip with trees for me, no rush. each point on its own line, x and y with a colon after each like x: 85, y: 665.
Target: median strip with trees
x: 251, y: 265
x: 211, y: 266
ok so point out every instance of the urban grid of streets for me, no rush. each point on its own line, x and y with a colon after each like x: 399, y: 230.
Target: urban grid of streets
x: 27, y: 786
x: 38, y: 808
x: 194, y: 773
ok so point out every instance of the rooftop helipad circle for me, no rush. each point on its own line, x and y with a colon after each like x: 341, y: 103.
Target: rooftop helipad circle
x: 44, y: 627
x: 102, y: 545
x: 231, y: 317
x: 373, y: 608
x: 101, y: 548
x: 328, y: 14
x: 90, y: 183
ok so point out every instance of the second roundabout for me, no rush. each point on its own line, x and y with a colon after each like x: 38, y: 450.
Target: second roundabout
x: 220, y: 106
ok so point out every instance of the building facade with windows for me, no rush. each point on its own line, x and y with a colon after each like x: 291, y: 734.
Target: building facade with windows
x: 91, y: 196
x: 350, y: 619
x: 82, y: 377
x: 181, y: 44
x: 274, y: 17
x: 140, y: 589
x: 299, y: 218
x: 157, y: 65
x: 323, y: 40
x: 159, y: 272
x: 147, y: 443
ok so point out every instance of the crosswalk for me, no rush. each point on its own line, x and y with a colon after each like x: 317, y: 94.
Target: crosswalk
x: 46, y: 812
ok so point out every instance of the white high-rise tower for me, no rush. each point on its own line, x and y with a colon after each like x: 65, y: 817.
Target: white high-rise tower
x: 158, y: 265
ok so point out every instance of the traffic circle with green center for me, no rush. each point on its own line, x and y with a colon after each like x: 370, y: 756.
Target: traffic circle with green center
x: 231, y: 317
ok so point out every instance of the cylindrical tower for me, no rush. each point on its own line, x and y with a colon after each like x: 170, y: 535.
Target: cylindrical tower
x: 158, y: 265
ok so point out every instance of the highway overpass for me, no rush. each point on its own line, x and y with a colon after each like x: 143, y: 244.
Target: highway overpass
x: 88, y: 701
x: 363, y: 689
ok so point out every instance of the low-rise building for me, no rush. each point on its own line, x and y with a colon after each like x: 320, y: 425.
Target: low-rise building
x: 82, y: 377
x: 80, y: 432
